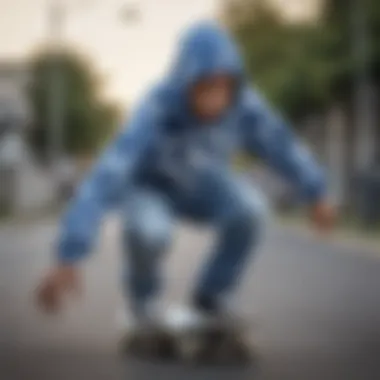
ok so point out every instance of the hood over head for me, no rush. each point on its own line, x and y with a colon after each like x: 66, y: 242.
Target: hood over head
x: 206, y: 49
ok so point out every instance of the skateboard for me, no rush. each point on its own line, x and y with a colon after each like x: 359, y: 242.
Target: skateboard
x: 201, y: 342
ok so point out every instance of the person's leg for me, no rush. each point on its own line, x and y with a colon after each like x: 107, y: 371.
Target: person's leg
x: 146, y: 237
x: 238, y: 212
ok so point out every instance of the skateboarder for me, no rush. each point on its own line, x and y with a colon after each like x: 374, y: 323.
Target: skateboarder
x: 172, y: 162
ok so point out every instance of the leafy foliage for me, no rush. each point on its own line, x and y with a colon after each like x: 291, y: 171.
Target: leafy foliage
x: 302, y: 67
x: 87, y: 119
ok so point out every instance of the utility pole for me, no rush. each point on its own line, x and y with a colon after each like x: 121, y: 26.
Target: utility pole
x: 56, y: 82
x: 364, y: 106
x: 337, y: 155
x: 130, y: 13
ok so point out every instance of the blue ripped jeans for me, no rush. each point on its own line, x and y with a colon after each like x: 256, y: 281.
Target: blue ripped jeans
x: 224, y: 202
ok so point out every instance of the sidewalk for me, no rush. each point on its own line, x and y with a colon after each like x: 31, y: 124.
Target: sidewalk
x: 30, y: 217
x: 347, y: 238
x: 343, y: 236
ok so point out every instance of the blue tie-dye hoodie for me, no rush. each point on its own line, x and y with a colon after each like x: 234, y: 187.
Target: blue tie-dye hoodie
x: 163, y: 145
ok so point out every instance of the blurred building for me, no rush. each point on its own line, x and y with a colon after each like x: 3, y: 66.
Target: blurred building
x: 23, y: 185
x: 336, y: 138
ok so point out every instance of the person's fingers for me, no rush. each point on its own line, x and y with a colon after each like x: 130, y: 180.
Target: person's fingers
x: 71, y: 283
x: 318, y: 225
x: 43, y: 299
x: 50, y: 300
x: 48, y: 297
x: 323, y: 217
x: 50, y: 294
x: 325, y: 225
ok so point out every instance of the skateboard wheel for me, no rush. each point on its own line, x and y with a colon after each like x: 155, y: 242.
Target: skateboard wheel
x: 149, y: 344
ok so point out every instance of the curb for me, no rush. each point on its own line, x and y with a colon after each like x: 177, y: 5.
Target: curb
x: 22, y: 219
x: 342, y: 238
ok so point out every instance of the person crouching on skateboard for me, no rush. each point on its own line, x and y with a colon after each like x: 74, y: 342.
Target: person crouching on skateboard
x: 172, y: 162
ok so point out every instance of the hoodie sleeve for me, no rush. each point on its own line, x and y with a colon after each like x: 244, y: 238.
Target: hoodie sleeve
x: 105, y: 186
x: 268, y: 136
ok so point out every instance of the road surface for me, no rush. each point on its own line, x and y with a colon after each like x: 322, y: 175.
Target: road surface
x: 316, y: 306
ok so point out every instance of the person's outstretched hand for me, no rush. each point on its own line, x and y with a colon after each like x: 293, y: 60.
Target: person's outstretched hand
x: 323, y: 216
x: 60, y: 281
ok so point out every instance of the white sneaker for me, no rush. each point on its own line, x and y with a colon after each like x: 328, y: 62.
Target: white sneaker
x: 182, y: 318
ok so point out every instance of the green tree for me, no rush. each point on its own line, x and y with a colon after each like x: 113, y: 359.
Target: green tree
x: 88, y: 120
x: 339, y: 18
x: 285, y: 60
x: 304, y: 67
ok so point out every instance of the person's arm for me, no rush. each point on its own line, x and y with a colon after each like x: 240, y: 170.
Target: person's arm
x: 268, y: 136
x: 104, y: 187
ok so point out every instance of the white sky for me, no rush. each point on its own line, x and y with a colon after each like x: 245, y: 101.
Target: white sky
x: 130, y: 57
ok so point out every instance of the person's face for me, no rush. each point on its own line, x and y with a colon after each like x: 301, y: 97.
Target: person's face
x: 211, y: 97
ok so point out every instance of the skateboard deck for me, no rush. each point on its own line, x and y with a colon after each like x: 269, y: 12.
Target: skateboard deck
x: 201, y: 342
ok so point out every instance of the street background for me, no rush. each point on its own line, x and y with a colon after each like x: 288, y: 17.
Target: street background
x: 314, y: 306
x: 70, y: 71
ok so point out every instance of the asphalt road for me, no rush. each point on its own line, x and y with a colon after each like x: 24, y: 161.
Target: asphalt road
x: 316, y: 307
